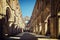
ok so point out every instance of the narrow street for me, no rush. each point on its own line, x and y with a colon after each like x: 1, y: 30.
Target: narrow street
x: 29, y: 19
x: 29, y: 36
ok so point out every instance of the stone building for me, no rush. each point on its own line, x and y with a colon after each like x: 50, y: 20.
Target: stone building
x: 45, y: 19
x: 11, y: 14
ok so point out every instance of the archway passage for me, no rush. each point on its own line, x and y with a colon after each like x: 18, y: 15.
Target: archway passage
x: 8, y: 12
x: 48, y: 28
x: 2, y: 21
x: 58, y: 23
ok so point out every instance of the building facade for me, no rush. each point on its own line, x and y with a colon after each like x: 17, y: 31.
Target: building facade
x: 45, y: 19
x: 11, y: 16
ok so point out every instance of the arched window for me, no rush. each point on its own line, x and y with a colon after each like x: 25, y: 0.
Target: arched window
x: 7, y: 13
x: 8, y: 1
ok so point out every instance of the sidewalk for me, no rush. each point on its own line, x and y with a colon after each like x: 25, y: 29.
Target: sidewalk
x: 46, y: 39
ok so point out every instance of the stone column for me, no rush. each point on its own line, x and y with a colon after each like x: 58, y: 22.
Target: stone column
x: 40, y: 28
x: 46, y: 23
x: 36, y: 29
x: 53, y: 28
x: 53, y: 20
x: 43, y: 28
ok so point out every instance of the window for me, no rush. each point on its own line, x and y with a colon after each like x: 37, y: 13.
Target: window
x: 59, y: 26
x: 8, y: 12
x: 16, y: 7
x: 59, y: 14
x: 8, y: 1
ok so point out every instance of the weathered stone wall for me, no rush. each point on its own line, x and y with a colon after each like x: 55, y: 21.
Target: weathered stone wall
x: 45, y: 12
x: 11, y: 12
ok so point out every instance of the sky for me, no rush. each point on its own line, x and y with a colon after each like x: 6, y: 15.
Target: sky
x: 27, y: 7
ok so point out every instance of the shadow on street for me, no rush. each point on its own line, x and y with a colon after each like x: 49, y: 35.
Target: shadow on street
x: 23, y: 36
x: 27, y: 36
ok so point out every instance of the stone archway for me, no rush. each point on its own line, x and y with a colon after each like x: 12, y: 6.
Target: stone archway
x: 8, y: 12
x: 48, y: 27
x: 58, y: 23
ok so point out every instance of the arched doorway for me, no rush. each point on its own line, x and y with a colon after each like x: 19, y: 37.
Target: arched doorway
x: 2, y: 22
x: 58, y: 18
x: 8, y: 12
x: 48, y: 28
x: 58, y: 24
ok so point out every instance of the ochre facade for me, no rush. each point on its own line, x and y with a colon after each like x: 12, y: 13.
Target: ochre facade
x: 45, y: 19
x: 11, y: 16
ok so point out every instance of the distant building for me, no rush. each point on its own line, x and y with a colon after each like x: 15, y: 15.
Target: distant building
x: 26, y: 19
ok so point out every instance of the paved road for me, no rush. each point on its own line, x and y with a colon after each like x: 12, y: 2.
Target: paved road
x: 37, y: 36
x: 23, y: 36
x: 28, y: 36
